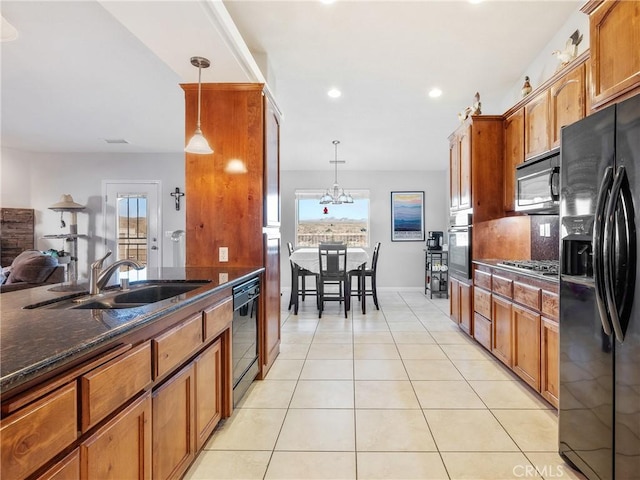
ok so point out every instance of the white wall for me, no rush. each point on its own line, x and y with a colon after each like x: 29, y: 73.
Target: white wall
x: 37, y: 180
x: 401, y: 264
x: 545, y: 64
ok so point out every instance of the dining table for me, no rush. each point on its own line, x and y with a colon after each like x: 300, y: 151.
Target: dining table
x: 309, y: 259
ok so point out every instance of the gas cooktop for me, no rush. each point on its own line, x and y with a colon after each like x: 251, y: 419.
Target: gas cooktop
x: 542, y: 267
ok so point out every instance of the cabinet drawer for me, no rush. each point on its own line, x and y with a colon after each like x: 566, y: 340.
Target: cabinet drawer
x: 482, y: 279
x: 34, y: 435
x: 107, y: 387
x: 526, y: 295
x: 482, y: 302
x: 502, y: 286
x: 66, y: 469
x: 482, y: 330
x: 550, y: 306
x: 217, y: 318
x: 172, y: 347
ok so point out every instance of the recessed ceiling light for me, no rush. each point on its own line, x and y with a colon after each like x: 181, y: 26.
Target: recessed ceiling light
x: 475, y: 2
x: 435, y: 92
x: 327, y: 2
x: 115, y: 140
x: 334, y: 93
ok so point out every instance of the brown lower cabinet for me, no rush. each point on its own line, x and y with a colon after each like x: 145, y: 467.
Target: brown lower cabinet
x: 549, y: 361
x: 461, y: 304
x: 526, y: 345
x: 122, y: 447
x: 142, y: 409
x: 516, y: 318
x: 173, y: 419
x: 501, y: 338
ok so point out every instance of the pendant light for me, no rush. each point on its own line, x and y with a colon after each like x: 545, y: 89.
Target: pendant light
x: 198, y: 144
x: 335, y: 194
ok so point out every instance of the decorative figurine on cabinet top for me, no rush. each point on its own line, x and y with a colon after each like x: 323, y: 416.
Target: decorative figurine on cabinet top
x: 475, y: 109
x: 570, y: 49
x: 526, y: 87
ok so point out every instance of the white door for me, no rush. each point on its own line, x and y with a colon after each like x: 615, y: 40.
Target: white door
x: 132, y: 216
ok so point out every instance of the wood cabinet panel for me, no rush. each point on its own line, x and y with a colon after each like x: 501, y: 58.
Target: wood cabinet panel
x: 111, y: 385
x: 464, y: 142
x: 501, y: 341
x: 526, y: 295
x: 482, y: 302
x: 567, y: 97
x: 208, y: 393
x: 614, y: 28
x: 454, y: 174
x: 173, y: 419
x: 502, y: 286
x: 482, y: 330
x: 526, y: 345
x: 454, y: 300
x: 482, y: 279
x: 466, y: 308
x: 550, y: 304
x: 66, y: 469
x: 217, y: 318
x: 270, y: 307
x: 536, y: 119
x: 38, y: 432
x: 175, y: 345
x: 122, y: 447
x: 225, y: 209
x: 549, y: 361
x: 513, y: 156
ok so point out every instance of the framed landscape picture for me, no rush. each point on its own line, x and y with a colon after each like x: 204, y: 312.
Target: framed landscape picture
x: 407, y: 216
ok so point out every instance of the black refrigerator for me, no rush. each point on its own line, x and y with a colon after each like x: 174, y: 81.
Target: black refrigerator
x: 599, y: 415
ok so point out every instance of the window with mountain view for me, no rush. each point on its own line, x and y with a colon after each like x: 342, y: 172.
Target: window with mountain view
x: 347, y: 222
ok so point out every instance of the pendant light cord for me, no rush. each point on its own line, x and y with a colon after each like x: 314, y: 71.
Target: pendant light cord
x: 199, y: 94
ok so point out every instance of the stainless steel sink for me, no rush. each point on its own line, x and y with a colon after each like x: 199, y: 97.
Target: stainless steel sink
x: 138, y: 295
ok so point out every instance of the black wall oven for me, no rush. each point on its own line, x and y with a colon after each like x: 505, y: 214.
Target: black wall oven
x: 244, y: 336
x: 460, y: 246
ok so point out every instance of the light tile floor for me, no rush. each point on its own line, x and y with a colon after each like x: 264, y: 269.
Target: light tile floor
x: 398, y: 393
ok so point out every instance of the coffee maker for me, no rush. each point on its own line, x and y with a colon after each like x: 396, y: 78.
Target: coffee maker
x: 434, y: 242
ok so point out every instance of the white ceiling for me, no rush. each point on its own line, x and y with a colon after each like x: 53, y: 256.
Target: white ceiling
x: 85, y: 71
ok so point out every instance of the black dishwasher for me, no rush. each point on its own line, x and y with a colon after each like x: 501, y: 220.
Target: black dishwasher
x: 244, y: 336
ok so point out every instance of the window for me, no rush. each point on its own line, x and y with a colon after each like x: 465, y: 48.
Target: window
x: 132, y: 227
x: 347, y: 222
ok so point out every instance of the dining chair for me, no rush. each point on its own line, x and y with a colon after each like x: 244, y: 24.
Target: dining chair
x: 333, y: 271
x: 297, y: 290
x: 368, y: 273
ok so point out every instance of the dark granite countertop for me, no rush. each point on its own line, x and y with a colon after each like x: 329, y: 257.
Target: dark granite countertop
x: 36, y: 341
x: 495, y: 263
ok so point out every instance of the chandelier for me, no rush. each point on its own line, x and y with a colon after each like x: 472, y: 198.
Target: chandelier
x: 335, y: 194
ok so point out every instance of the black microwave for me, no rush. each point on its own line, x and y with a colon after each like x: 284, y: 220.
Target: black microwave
x: 538, y: 184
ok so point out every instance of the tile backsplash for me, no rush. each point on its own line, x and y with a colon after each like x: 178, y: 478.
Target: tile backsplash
x: 545, y: 237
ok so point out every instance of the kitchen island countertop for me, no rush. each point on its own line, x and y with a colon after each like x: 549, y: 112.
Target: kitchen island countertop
x: 37, y: 341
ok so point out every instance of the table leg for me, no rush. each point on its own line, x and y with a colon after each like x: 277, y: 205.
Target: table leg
x: 362, y: 280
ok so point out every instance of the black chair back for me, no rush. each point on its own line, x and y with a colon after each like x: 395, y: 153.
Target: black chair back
x: 333, y: 260
x: 374, y: 261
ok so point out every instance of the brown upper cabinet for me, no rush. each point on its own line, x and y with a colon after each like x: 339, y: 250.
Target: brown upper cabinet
x: 614, y: 28
x: 536, y: 136
x: 567, y: 102
x: 475, y: 160
x: 513, y: 155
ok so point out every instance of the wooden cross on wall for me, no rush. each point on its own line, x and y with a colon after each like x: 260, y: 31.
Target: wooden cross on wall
x: 177, y: 194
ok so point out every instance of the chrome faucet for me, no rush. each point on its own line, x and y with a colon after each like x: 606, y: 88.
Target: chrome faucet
x: 98, y: 278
